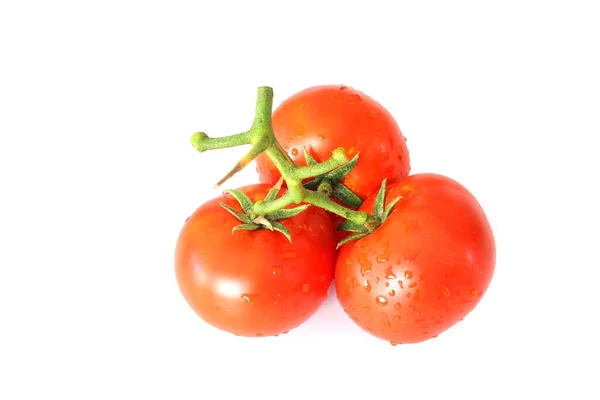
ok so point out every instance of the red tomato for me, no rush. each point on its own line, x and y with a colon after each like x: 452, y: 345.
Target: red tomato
x: 254, y: 283
x: 322, y: 118
x: 425, y: 268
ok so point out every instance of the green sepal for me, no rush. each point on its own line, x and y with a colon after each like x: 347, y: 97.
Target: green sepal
x: 350, y: 226
x: 313, y: 184
x: 350, y: 238
x: 263, y: 222
x: 339, y: 191
x: 251, y: 222
x: 337, y: 174
x: 379, y: 202
x: 346, y: 196
x: 246, y: 227
x: 272, y: 195
x: 282, y: 229
x: 379, y: 216
x: 245, y: 202
x: 286, y: 213
x: 309, y: 159
x: 390, y: 206
x: 240, y: 216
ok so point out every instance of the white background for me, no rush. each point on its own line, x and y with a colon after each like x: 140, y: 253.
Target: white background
x: 97, y: 104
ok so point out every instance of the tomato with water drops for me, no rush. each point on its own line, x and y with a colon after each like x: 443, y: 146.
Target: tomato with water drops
x: 235, y: 280
x: 438, y: 229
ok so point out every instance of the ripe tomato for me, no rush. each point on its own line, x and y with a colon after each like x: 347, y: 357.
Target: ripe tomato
x: 425, y: 268
x: 254, y: 283
x: 323, y: 118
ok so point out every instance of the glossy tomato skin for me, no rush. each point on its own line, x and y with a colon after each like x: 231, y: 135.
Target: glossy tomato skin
x: 254, y: 283
x: 323, y: 118
x: 425, y: 268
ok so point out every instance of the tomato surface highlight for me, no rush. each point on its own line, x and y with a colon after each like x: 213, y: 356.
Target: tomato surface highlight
x: 425, y: 268
x: 254, y: 283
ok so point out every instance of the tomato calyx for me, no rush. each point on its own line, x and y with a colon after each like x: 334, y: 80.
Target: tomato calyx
x: 330, y: 184
x: 380, y: 214
x: 251, y: 221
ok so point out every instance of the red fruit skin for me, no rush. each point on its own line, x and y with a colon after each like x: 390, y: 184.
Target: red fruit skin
x: 254, y: 283
x: 425, y: 268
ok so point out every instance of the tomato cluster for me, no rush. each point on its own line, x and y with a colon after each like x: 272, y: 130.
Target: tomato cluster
x: 420, y: 270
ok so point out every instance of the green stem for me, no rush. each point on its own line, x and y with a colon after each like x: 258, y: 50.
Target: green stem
x: 322, y: 201
x: 337, y: 159
x: 282, y: 161
x: 290, y: 171
x: 266, y: 207
x: 264, y: 108
x: 262, y: 139
x: 202, y: 142
x: 325, y: 187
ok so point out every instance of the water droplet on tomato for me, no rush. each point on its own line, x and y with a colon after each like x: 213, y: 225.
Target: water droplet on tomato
x: 473, y: 293
x: 301, y: 105
x: 381, y: 301
x: 367, y: 286
x: 372, y: 114
x: 305, y: 288
x: 247, y: 297
x: 408, y: 275
x: 401, y: 284
x: 259, y: 334
x: 286, y: 332
x: 387, y: 284
x: 343, y: 87
x: 381, y: 258
x: 377, y: 279
x: 392, y: 292
x: 397, y: 318
x: 294, y: 151
x: 389, y: 274
x: 394, y: 343
x: 365, y: 264
x: 277, y: 271
x: 413, y: 285
x: 397, y: 306
x: 446, y: 291
x: 321, y: 136
x: 358, y: 97
x: 409, y: 295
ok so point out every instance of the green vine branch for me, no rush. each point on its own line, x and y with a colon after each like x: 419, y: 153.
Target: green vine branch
x: 261, y: 138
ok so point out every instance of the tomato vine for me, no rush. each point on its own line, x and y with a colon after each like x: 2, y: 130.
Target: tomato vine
x: 324, y: 178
